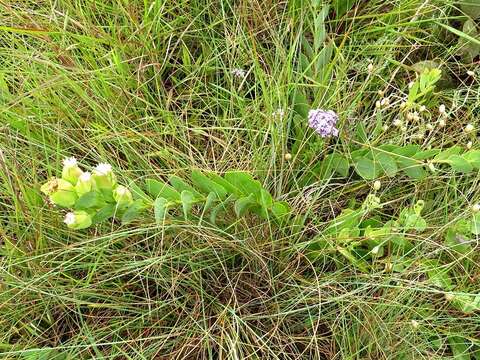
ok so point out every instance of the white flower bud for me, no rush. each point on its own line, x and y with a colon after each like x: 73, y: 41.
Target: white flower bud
x: 469, y: 128
x: 84, y: 184
x: 385, y: 102
x: 71, y: 172
x: 288, y: 156
x: 469, y: 145
x: 442, y: 109
x: 381, y: 93
x: 104, y: 177
x: 410, y: 84
x: 431, y: 166
x: 397, y: 122
x: 376, y: 250
x: 385, y: 127
x: 416, y: 117
x: 403, y: 105
x: 78, y: 220
x: 422, y: 108
x: 429, y: 127
x: 378, y: 105
x: 370, y: 68
x: 122, y: 196
x: 442, y: 123
x: 471, y: 73
x: 475, y: 208
x: 415, y: 324
x: 377, y: 185
x: 410, y: 116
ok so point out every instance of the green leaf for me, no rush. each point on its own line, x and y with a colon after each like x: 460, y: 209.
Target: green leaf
x: 438, y: 275
x: 160, y: 189
x: 243, y: 204
x: 342, y: 6
x: 160, y: 209
x: 444, y: 155
x: 138, y: 193
x: 459, y: 347
x: 206, y: 185
x: 459, y: 164
x: 220, y: 180
x: 411, y: 168
x: 211, y: 197
x: 300, y: 104
x: 104, y: 213
x: 133, y: 211
x: 335, y: 163
x: 280, y: 210
x: 426, y: 154
x: 471, y: 8
x: 188, y: 199
x: 473, y: 157
x: 244, y: 182
x: 475, y: 225
x: 406, y: 151
x: 367, y: 169
x: 386, y: 163
x: 92, y: 199
x: 467, y: 303
x: 180, y: 185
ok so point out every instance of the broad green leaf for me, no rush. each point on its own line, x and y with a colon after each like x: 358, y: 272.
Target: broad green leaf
x: 367, y: 169
x: 456, y: 241
x: 265, y: 202
x: 301, y: 105
x: 138, y: 193
x: 243, y: 204
x: 411, y: 168
x: 244, y: 182
x: 160, y: 189
x: 280, y: 210
x: 467, y: 303
x: 211, y: 198
x: 320, y: 33
x: 220, y: 180
x: 342, y: 6
x: 475, y: 225
x: 426, y: 154
x: 180, y: 185
x: 473, y: 157
x: 206, y: 185
x: 386, y: 163
x: 188, y: 199
x: 335, y: 163
x: 471, y: 8
x: 90, y: 200
x: 460, y: 348
x: 133, y: 211
x: 444, y: 155
x: 104, y: 213
x: 459, y: 164
x: 405, y: 151
x: 438, y: 275
x: 160, y: 210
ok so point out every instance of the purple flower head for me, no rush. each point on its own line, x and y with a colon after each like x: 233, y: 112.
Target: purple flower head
x: 323, y: 122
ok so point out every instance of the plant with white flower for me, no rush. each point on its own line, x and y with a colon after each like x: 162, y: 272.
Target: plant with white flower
x: 104, y: 177
x: 239, y: 73
x: 71, y: 172
x: 92, y: 197
x: 78, y: 220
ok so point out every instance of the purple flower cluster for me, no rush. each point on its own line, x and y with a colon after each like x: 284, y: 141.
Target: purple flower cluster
x: 323, y: 122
